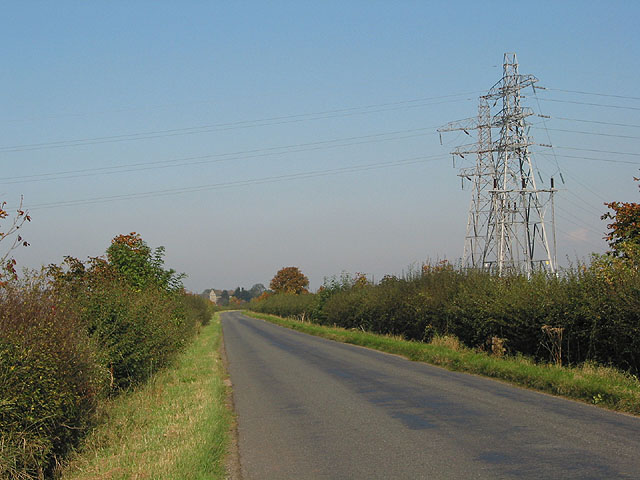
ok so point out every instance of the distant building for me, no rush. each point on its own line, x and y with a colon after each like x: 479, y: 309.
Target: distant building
x: 213, y: 297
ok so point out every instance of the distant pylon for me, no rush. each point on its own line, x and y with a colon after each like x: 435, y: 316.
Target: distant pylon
x: 506, y: 229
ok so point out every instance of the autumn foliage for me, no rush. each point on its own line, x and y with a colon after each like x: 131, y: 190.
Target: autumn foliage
x: 624, y: 229
x: 289, y: 280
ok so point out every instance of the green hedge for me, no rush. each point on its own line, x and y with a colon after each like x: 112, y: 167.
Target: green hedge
x: 598, y: 309
x: 198, y: 309
x: 64, y: 349
x: 50, y: 380
x: 285, y: 304
x: 137, y: 331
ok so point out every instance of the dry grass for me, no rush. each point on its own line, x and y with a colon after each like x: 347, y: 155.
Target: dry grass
x: 447, y: 341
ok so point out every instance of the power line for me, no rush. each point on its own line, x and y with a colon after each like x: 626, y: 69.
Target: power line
x: 589, y: 103
x: 598, y: 122
x: 211, y: 158
x: 256, y: 181
x: 587, y: 187
x: 575, y: 178
x: 153, y: 107
x: 599, y: 151
x: 544, y: 123
x: 574, y: 237
x: 581, y: 225
x: 591, y: 210
x: 589, y: 93
x: 287, y: 119
x: 591, y: 133
x: 607, y: 160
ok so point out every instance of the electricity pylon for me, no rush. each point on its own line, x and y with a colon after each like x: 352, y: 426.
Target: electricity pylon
x: 506, y: 229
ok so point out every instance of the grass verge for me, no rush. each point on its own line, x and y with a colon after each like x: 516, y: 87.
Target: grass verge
x: 174, y: 427
x: 598, y: 385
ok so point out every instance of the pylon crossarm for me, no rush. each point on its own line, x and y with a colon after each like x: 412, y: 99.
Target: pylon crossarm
x: 460, y: 125
x: 501, y: 90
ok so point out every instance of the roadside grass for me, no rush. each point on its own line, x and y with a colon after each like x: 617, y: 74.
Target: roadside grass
x: 590, y: 383
x: 174, y: 427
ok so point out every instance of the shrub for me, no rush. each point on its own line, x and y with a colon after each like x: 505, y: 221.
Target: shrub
x: 137, y: 331
x: 199, y: 310
x: 50, y: 380
x: 285, y: 305
x: 69, y: 337
x: 131, y: 307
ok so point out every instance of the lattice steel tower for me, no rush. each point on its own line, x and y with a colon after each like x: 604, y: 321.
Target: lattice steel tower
x: 506, y: 229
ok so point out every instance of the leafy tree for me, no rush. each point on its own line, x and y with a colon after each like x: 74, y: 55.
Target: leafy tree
x: 289, y: 280
x: 257, y: 290
x: 235, y: 301
x: 224, y: 298
x: 140, y: 265
x: 624, y: 230
x: 264, y: 295
x: 242, y: 294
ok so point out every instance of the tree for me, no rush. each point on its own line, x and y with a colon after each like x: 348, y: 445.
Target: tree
x: 224, y: 298
x: 140, y: 265
x: 624, y: 230
x: 289, y: 280
x: 257, y: 290
x: 128, y: 260
x: 242, y: 294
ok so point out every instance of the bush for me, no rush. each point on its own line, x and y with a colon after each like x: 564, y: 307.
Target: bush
x: 137, y: 331
x: 199, y: 310
x: 70, y: 337
x: 50, y: 380
x: 131, y: 307
x: 285, y: 305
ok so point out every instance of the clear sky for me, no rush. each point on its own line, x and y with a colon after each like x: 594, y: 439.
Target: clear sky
x: 280, y: 111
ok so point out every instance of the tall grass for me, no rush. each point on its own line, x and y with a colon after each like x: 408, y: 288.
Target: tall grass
x: 173, y: 427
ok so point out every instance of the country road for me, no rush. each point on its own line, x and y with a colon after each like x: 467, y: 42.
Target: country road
x: 311, y: 408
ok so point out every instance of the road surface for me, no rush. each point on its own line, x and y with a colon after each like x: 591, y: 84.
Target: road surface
x: 311, y: 408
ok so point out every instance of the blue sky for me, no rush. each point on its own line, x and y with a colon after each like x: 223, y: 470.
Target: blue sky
x: 176, y: 95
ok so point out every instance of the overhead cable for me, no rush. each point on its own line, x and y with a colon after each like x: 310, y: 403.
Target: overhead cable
x: 256, y: 181
x: 221, y: 157
x: 542, y: 99
x: 589, y: 93
x: 210, y: 128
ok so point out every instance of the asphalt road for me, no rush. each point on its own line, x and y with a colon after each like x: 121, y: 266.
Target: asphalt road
x: 312, y: 408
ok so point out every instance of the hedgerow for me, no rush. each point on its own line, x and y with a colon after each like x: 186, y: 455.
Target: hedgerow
x: 76, y: 333
x: 595, y: 309
x: 50, y: 379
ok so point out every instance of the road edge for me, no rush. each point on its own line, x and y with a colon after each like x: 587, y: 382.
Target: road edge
x: 232, y: 460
